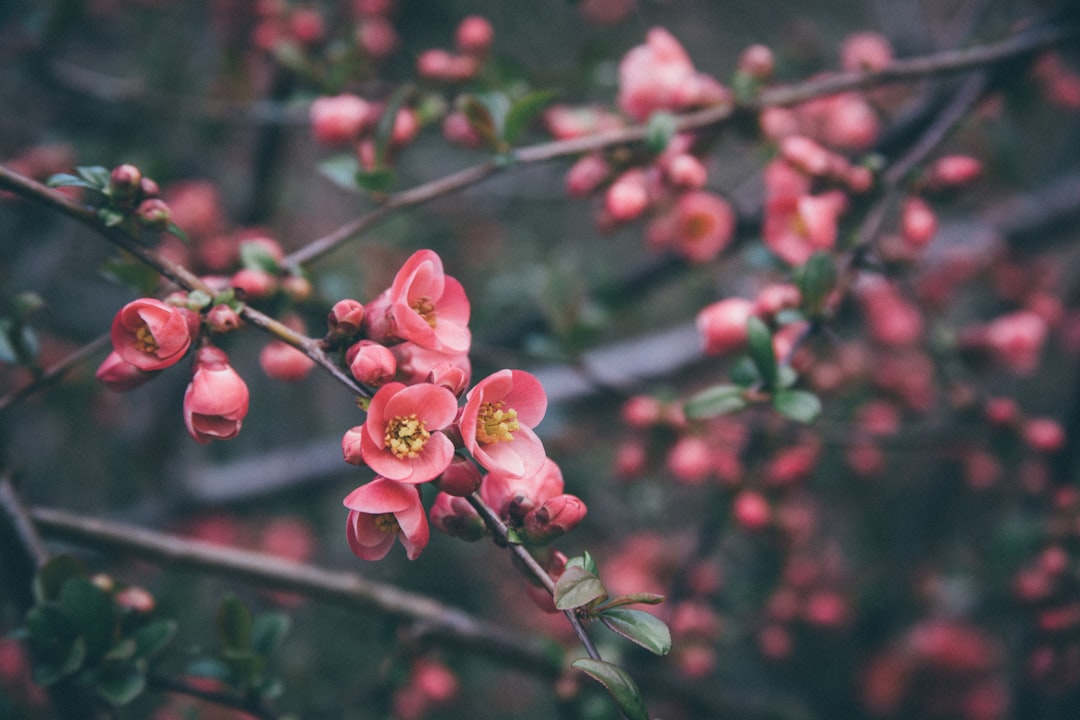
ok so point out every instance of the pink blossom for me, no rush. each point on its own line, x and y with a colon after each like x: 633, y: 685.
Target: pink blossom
x: 119, y: 375
x: 338, y: 119
x: 377, y: 36
x: 513, y: 497
x: 283, y: 362
x: 498, y: 419
x: 796, y: 227
x: 216, y: 400
x: 460, y: 478
x: 150, y: 335
x: 865, y: 51
x: 345, y: 318
x: 416, y: 365
x: 382, y: 511
x: 371, y: 363
x: 402, y: 438
x: 701, y: 226
x: 628, y: 196
x: 587, y: 174
x: 660, y: 76
x: 723, y: 324
x: 554, y: 518
x: 454, y: 516
x: 1017, y: 339
x: 567, y: 121
x: 424, y: 306
x: 918, y: 222
x: 474, y: 35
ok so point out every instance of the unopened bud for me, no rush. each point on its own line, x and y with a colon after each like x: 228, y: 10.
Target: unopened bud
x: 556, y: 517
x: 460, y: 478
x: 124, y: 182
x: 345, y: 318
x: 154, y: 213
x: 371, y: 363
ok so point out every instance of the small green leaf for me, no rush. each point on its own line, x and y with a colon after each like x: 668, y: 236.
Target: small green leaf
x: 234, y: 625
x: 67, y: 180
x: 577, y: 587
x: 123, y: 650
x: 798, y: 405
x: 268, y: 631
x: 584, y: 560
x: 341, y: 170
x: 642, y: 598
x: 111, y: 218
x: 645, y: 629
x: 759, y: 340
x: 95, y: 175
x: 254, y: 256
x: 659, y: 131
x: 119, y: 682
x: 744, y: 373
x: 481, y: 116
x: 57, y: 648
x: 177, y: 232
x: 714, y: 401
x: 90, y: 610
x: 522, y: 111
x: 619, y: 685
x: 786, y: 377
x: 375, y: 181
x: 815, y: 280
x: 152, y: 638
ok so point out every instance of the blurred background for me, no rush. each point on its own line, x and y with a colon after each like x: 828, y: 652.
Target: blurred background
x: 889, y: 581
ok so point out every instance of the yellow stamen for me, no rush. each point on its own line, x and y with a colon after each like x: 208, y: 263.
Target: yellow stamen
x: 426, y: 309
x: 406, y: 436
x: 144, y: 340
x: 494, y: 424
x: 387, y: 523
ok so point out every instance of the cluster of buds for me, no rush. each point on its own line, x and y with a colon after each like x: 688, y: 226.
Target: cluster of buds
x: 472, y: 44
x: 410, y: 345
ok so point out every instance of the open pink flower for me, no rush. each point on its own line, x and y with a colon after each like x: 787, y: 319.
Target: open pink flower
x: 216, y: 400
x: 497, y: 421
x: 382, y: 511
x: 402, y: 439
x: 797, y: 227
x: 150, y: 335
x: 424, y: 306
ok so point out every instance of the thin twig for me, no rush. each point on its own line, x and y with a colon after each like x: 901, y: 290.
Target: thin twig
x: 342, y: 588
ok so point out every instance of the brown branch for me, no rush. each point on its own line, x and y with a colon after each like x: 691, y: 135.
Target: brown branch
x: 346, y: 589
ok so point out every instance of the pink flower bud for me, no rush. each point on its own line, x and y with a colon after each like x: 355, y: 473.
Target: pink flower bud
x: 1044, y: 434
x: 124, y: 182
x: 642, y: 411
x: 297, y: 287
x: 751, y: 510
x: 440, y: 65
x: 454, y: 516
x: 254, y: 284
x: 119, y: 375
x: 686, y: 171
x: 474, y: 35
x: 918, y: 222
x: 222, y: 319
x: 307, y: 26
x: 461, y: 478
x: 371, y: 363
x: 690, y: 459
x: 953, y: 171
x: 556, y: 517
x: 723, y: 325
x: 377, y: 37
x: 153, y: 213
x: 457, y: 129
x: 628, y: 196
x: 587, y: 174
x: 865, y: 51
x: 776, y: 297
x: 283, y: 362
x: 345, y: 318
x: 338, y: 119
x: 136, y: 599
x: 1017, y: 339
x: 216, y: 400
x: 350, y: 445
x: 757, y: 61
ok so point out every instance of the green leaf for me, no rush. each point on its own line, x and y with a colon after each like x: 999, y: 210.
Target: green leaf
x: 522, y: 111
x: 786, y: 377
x: 798, y: 405
x: 152, y: 638
x: 341, y: 170
x: 268, y: 631
x: 135, y: 275
x: 659, y: 131
x: 95, y: 175
x: 815, y: 280
x: 577, y: 587
x: 111, y: 218
x: 254, y: 256
x: 234, y: 625
x: 481, y: 114
x: 57, y: 648
x: 119, y: 682
x: 376, y: 181
x: 177, y: 232
x: 714, y: 401
x: 90, y: 610
x: 744, y: 373
x: 67, y: 180
x: 619, y: 685
x: 584, y: 560
x: 638, y: 626
x: 643, y: 598
x: 759, y: 340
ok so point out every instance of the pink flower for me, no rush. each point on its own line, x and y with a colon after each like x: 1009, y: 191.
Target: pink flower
x: 150, y: 335
x: 416, y: 365
x: 216, y: 400
x: 723, y: 324
x: 382, y: 511
x: 512, y: 498
x: 338, y: 119
x: 454, y: 516
x: 699, y: 227
x: 796, y: 227
x: 424, y: 306
x: 497, y: 421
x: 283, y: 362
x: 401, y: 439
x: 371, y: 363
x: 119, y: 375
x: 660, y: 76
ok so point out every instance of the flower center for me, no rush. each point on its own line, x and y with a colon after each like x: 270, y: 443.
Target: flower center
x: 387, y: 524
x: 144, y: 340
x: 494, y: 424
x: 406, y: 436
x: 425, y: 308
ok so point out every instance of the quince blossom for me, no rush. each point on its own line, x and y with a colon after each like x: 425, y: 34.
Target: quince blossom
x: 216, y: 400
x: 150, y: 334
x: 659, y: 75
x: 497, y: 421
x: 402, y: 438
x: 424, y: 306
x: 382, y: 511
